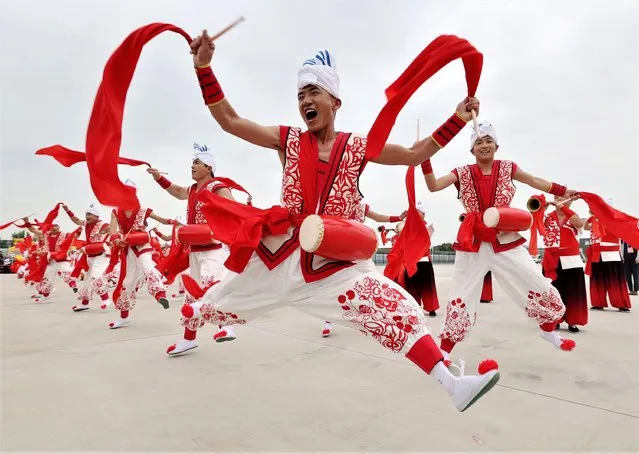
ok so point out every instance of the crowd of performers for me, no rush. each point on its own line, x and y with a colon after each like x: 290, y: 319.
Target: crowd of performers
x: 234, y: 262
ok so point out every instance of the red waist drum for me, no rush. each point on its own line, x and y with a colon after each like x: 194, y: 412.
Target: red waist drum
x: 507, y: 219
x: 337, y: 238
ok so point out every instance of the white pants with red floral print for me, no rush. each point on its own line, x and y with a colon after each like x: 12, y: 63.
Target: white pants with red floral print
x: 53, y: 271
x: 359, y: 297
x: 205, y: 267
x: 139, y: 270
x: 94, y: 279
x: 515, y: 271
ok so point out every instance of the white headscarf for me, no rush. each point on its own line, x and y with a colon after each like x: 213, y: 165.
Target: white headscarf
x: 92, y: 209
x: 320, y: 71
x: 202, y: 153
x: 485, y: 129
x: 130, y: 182
x: 420, y: 206
x: 180, y: 219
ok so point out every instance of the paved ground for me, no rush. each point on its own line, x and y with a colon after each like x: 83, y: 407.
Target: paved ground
x: 71, y: 384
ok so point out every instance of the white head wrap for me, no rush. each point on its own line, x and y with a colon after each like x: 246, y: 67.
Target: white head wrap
x: 130, y: 182
x: 202, y: 153
x: 485, y: 129
x: 92, y: 209
x: 320, y: 71
x: 420, y: 206
x: 180, y: 219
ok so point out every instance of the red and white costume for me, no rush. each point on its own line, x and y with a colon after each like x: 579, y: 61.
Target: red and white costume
x: 607, y: 278
x: 94, y: 278
x: 563, y: 264
x: 58, y: 263
x: 136, y: 267
x: 481, y: 249
x: 206, y: 265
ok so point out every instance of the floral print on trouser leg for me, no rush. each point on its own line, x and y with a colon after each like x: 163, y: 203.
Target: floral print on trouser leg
x: 458, y: 321
x: 194, y: 323
x: 545, y: 307
x: 383, y: 311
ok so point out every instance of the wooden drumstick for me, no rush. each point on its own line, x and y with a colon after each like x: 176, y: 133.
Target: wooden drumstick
x: 418, y: 129
x: 237, y: 21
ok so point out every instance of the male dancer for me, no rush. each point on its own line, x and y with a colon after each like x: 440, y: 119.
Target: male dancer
x: 605, y: 269
x: 206, y: 261
x: 54, y: 250
x: 321, y: 170
x: 562, y: 262
x: 136, y: 262
x: 96, y: 232
x: 489, y: 183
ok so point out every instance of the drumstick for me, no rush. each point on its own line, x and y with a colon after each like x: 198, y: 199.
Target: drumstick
x: 219, y: 34
x: 418, y: 129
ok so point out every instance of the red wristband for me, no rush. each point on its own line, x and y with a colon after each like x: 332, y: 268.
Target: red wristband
x: 427, y: 169
x: 164, y: 182
x: 211, y: 90
x: 69, y: 212
x: 448, y: 130
x: 557, y: 189
x: 170, y: 222
x: 567, y: 211
x: 394, y: 219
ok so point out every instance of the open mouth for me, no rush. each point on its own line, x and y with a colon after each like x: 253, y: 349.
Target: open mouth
x: 310, y: 114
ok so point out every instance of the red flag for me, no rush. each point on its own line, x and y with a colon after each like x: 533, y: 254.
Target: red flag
x: 414, y: 240
x: 617, y: 222
x: 437, y: 54
x: 68, y: 157
x: 104, y: 134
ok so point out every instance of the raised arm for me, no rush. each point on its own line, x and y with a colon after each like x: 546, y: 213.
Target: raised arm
x: 384, y: 217
x: 76, y: 220
x: 113, y: 228
x: 426, y: 148
x: 179, y: 192
x: 433, y: 183
x: 202, y: 48
x: 161, y: 235
x: 36, y: 231
x: 541, y: 184
x: 162, y: 220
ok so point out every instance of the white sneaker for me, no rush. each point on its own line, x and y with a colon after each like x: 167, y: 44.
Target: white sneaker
x: 561, y: 343
x: 181, y: 346
x: 119, y: 323
x: 225, y: 334
x: 470, y: 388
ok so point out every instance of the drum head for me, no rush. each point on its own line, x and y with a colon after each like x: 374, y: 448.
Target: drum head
x: 311, y: 233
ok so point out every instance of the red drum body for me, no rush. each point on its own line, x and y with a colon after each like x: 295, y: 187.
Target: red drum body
x: 95, y: 249
x: 195, y: 235
x: 337, y: 238
x: 508, y: 219
x: 137, y: 238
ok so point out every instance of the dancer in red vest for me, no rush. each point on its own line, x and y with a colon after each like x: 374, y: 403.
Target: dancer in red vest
x: 605, y: 268
x: 563, y: 264
x: 206, y: 258
x: 54, y: 251
x: 485, y: 184
x: 321, y: 171
x: 136, y: 263
x: 96, y: 233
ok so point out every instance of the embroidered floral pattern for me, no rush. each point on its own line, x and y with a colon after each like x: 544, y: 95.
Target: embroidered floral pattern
x: 211, y: 315
x: 359, y: 214
x: 291, y: 195
x: 504, y: 190
x: 457, y: 321
x: 552, y: 232
x: 126, y: 301
x: 382, y: 311
x: 199, y: 216
x: 93, y: 234
x: 545, y: 307
x: 154, y: 282
x: 344, y: 197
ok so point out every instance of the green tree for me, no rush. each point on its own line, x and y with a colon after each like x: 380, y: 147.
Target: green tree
x: 445, y: 247
x: 19, y: 234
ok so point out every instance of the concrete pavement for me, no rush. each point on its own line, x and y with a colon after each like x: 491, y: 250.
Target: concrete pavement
x: 71, y: 384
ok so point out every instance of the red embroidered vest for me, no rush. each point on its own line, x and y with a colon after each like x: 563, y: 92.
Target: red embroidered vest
x: 563, y: 236
x: 338, y: 192
x: 502, y: 191
x: 92, y: 232
x: 194, y: 213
